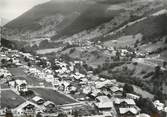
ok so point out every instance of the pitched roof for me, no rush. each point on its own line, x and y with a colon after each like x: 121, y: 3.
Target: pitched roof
x: 36, y: 98
x: 132, y: 95
x: 128, y: 101
x: 143, y: 115
x: 104, y: 105
x: 126, y: 110
x: 103, y: 99
x: 115, y: 89
x: 20, y: 82
x: 23, y: 105
x: 48, y: 103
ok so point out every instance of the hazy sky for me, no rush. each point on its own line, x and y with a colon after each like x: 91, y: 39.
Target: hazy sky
x: 10, y: 9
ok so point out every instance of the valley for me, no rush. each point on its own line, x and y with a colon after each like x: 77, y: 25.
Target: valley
x: 87, y: 51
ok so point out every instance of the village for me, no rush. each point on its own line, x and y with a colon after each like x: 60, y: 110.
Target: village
x: 83, y: 58
x: 31, y: 85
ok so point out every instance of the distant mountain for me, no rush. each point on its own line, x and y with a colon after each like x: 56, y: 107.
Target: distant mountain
x: 60, y: 18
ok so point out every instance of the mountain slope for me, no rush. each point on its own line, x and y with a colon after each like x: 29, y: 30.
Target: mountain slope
x: 60, y: 18
x: 90, y: 18
x: 52, y: 12
x: 152, y: 28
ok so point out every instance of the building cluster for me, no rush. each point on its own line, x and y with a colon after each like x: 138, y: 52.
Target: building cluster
x: 105, y: 96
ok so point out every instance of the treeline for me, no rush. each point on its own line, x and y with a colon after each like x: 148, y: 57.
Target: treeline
x: 18, y: 45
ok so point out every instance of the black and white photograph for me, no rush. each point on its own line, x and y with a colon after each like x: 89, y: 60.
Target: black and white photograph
x: 83, y: 58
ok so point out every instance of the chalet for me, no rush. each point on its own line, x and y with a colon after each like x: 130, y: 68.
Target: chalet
x: 132, y: 96
x: 35, y: 71
x: 86, y: 90
x: 106, y: 83
x: 78, y: 76
x: 73, y: 89
x: 116, y: 91
x: 56, y: 83
x: 104, y: 104
x: 126, y: 107
x: 5, y: 74
x: 94, y: 93
x: 3, y: 56
x: 2, y: 112
x: 21, y: 85
x: 12, y: 84
x: 41, y: 75
x: 49, y: 107
x: 28, y: 56
x: 64, y: 85
x: 49, y: 78
x: 158, y: 105
x: 27, y: 108
x: 38, y: 100
x: 128, y: 112
x: 165, y: 109
x: 84, y: 81
x: 143, y: 115
x: 13, y: 52
x: 47, y: 71
x: 124, y: 102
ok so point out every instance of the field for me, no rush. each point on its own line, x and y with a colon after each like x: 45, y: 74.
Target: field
x: 124, y: 41
x: 46, y: 51
x: 19, y: 74
x: 54, y: 96
x: 10, y: 99
x: 152, y: 47
x: 144, y: 93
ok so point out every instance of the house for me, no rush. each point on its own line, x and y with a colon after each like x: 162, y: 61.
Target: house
x: 84, y: 81
x: 56, y: 83
x: 143, y: 115
x: 21, y: 85
x: 78, y: 76
x: 86, y: 90
x: 49, y: 104
x: 128, y: 112
x: 94, y: 93
x: 72, y: 89
x: 34, y: 71
x: 104, y: 104
x: 132, y: 96
x: 49, y: 78
x: 116, y: 91
x: 124, y: 102
x: 38, y: 100
x: 126, y: 107
x: 3, y: 56
x: 106, y: 83
x: 5, y: 73
x: 47, y: 71
x: 27, y: 108
x: 160, y: 106
x: 41, y: 75
x: 28, y: 56
x: 49, y: 107
x: 64, y: 85
x: 165, y: 109
x: 2, y: 112
x: 12, y: 84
